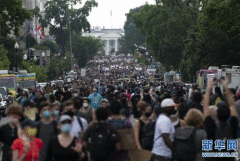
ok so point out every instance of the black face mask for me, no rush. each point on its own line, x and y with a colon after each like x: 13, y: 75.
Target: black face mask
x: 69, y: 113
x: 171, y: 112
x: 148, y: 114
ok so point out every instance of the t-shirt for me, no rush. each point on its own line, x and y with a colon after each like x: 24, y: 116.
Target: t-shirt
x: 76, y: 128
x: 135, y: 99
x: 59, y: 153
x: 163, y: 125
x: 7, y: 136
x: 38, y: 101
x: 66, y: 96
x: 95, y: 100
x: 46, y: 133
x: 58, y: 95
x: 33, y: 153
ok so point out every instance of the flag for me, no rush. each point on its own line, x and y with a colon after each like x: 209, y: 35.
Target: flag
x: 39, y: 27
x: 33, y: 32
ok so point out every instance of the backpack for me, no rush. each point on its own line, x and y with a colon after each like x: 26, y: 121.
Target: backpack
x: 184, y: 148
x: 80, y: 123
x: 148, y: 131
x: 101, y: 142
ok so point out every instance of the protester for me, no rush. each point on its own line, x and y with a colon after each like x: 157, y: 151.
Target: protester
x: 95, y: 99
x: 104, y: 103
x: 101, y: 139
x: 224, y: 129
x: 135, y: 99
x: 27, y: 147
x: 56, y: 111
x: 164, y: 131
x: 30, y: 110
x: 39, y: 99
x: 47, y: 128
x: 87, y: 112
x: 66, y: 94
x: 146, y: 111
x: 79, y: 124
x: 10, y: 131
x: 65, y: 147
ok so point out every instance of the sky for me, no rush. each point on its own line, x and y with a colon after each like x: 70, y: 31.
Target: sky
x: 101, y: 15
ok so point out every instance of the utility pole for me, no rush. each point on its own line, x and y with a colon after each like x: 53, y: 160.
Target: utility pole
x: 70, y: 37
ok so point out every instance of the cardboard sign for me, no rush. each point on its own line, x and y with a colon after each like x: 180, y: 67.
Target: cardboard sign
x: 49, y: 89
x: 127, y: 139
x: 151, y: 78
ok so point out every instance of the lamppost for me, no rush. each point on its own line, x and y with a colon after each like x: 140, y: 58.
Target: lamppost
x: 43, y: 55
x: 16, y: 46
x: 25, y: 57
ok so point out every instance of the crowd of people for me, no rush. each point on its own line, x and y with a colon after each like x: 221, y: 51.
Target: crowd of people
x: 68, y: 124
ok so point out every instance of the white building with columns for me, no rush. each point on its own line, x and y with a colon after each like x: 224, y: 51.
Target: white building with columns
x: 108, y: 36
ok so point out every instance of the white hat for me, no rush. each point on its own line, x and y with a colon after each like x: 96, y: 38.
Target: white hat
x: 64, y: 117
x: 168, y: 102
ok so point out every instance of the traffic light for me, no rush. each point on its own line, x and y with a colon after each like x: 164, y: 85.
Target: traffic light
x: 31, y: 54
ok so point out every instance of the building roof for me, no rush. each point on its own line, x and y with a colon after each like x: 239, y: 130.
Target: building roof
x: 104, y: 33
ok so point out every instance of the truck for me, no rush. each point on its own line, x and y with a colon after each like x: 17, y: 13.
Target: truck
x: 8, y: 81
x: 27, y: 80
x: 202, y: 76
x: 170, y: 77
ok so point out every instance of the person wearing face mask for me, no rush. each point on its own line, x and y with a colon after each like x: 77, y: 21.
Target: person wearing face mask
x: 95, y: 99
x: 87, y: 112
x: 47, y: 128
x: 27, y: 147
x: 79, y: 124
x: 65, y: 146
x: 11, y: 130
x: 164, y: 132
x: 56, y: 111
x: 177, y: 122
x: 146, y: 111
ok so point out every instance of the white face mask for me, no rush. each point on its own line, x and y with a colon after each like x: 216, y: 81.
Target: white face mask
x: 85, y: 104
x: 175, y: 115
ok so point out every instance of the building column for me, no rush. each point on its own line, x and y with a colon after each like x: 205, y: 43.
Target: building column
x: 107, y: 47
x: 116, y: 45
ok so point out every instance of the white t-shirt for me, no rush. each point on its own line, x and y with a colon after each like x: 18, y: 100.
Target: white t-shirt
x: 163, y: 125
x: 76, y: 128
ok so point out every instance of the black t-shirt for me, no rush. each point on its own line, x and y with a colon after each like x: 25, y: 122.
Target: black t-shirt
x: 211, y: 127
x: 7, y: 136
x: 38, y: 101
x: 147, y: 98
x: 58, y: 95
x: 59, y: 153
x: 135, y: 99
x: 67, y: 95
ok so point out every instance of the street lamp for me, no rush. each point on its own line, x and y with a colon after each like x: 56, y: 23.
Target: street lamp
x: 65, y: 57
x: 35, y: 58
x: 43, y: 55
x: 16, y: 46
x: 25, y: 56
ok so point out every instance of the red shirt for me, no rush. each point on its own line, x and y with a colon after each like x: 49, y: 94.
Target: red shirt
x: 33, y: 153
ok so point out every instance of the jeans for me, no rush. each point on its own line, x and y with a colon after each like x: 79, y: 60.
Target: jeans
x: 159, y: 158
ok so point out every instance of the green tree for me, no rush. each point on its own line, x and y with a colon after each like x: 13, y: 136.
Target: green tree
x: 30, y: 41
x: 85, y: 48
x: 40, y: 71
x: 132, y: 35
x: 12, y: 17
x: 58, y: 15
x: 215, y: 39
x: 165, y: 27
x: 4, y: 61
x: 52, y: 46
x: 12, y: 54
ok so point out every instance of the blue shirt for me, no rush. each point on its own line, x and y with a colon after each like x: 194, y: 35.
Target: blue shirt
x: 95, y: 100
x: 101, y: 90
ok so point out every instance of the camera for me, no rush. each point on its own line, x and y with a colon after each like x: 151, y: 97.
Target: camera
x: 219, y: 79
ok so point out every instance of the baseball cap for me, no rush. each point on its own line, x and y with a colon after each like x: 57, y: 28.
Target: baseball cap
x: 28, y: 122
x: 64, y: 118
x: 104, y: 100
x: 168, y: 102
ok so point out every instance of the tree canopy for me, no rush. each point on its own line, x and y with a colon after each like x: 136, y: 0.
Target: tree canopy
x: 12, y: 17
x: 58, y: 14
x: 4, y: 61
